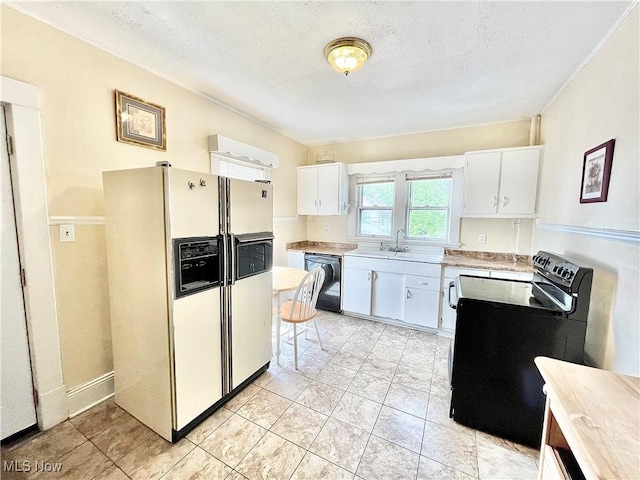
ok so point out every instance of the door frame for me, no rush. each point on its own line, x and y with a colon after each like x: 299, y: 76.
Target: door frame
x: 32, y: 219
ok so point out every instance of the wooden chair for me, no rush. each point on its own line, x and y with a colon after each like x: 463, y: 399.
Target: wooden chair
x: 302, y: 308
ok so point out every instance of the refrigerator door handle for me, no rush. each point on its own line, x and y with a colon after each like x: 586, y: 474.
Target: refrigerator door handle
x: 232, y: 248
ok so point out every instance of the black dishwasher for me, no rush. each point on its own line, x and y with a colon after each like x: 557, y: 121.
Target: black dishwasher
x: 329, y: 297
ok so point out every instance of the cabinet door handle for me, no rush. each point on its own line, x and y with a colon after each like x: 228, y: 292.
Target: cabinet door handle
x: 423, y: 283
x: 319, y: 203
x: 408, y: 293
x: 505, y: 200
x: 494, y: 201
x: 369, y: 276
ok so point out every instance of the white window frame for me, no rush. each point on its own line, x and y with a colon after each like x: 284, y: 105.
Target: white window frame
x: 372, y: 179
x: 408, y: 208
x: 400, y: 208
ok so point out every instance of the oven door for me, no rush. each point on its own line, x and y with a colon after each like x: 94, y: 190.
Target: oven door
x: 253, y: 254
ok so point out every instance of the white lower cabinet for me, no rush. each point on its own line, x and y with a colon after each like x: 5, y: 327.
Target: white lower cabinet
x: 388, y: 292
x: 356, y: 290
x: 422, y: 301
x: 392, y: 289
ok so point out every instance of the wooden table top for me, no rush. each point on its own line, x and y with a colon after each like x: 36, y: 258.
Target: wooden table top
x: 286, y: 278
x: 598, y: 412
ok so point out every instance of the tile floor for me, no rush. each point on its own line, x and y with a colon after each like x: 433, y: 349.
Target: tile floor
x: 373, y: 405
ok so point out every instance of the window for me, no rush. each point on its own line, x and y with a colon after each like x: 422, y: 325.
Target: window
x: 226, y: 167
x: 375, y: 206
x: 428, y: 203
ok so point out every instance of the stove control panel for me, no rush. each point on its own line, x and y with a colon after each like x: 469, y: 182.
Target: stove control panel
x: 555, y: 268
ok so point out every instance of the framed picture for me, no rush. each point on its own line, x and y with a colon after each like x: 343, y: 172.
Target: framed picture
x: 596, y: 171
x: 139, y: 122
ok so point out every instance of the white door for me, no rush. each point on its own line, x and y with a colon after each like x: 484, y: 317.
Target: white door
x: 481, y: 180
x: 518, y: 182
x: 329, y: 189
x: 356, y: 290
x: 388, y: 295
x: 18, y: 410
x: 307, y: 191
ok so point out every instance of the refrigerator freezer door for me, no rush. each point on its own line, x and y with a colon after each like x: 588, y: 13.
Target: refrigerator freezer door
x: 193, y: 201
x: 197, y: 352
x: 251, y: 301
x: 251, y: 207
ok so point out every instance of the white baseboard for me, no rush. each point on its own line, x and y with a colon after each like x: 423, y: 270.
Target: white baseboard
x: 83, y: 397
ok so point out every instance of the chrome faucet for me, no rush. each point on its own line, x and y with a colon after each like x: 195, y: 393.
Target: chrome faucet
x: 397, y: 235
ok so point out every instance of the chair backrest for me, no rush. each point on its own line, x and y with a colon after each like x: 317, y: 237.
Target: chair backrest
x: 306, y: 296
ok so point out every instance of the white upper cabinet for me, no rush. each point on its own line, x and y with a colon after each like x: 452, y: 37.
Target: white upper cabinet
x: 501, y: 183
x: 323, y: 190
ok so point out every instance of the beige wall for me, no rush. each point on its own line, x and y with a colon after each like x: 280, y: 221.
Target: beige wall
x: 500, y: 233
x: 602, y: 102
x: 76, y: 83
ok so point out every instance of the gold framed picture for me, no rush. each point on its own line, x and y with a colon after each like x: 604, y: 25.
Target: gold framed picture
x: 139, y: 122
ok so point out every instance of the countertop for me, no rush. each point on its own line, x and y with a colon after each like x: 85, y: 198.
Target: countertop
x: 451, y: 258
x: 597, y: 411
x: 326, y: 248
x: 487, y: 261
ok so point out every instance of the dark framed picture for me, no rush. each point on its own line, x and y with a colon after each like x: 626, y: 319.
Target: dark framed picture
x: 596, y: 171
x: 139, y: 122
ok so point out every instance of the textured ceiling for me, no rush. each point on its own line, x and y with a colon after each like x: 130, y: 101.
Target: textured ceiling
x: 435, y: 65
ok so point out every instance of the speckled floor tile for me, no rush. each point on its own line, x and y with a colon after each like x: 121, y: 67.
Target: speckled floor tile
x: 154, y: 458
x: 400, y: 428
x: 432, y: 470
x: 299, y: 425
x: 233, y: 439
x: 495, y: 460
x: 84, y: 461
x: 313, y: 467
x: 348, y: 360
x: 208, y: 426
x: 379, y: 368
x: 341, y: 444
x: 357, y: 411
x: 264, y: 408
x: 408, y: 400
x: 49, y: 445
x: 383, y: 460
x: 320, y: 397
x: 124, y: 435
x: 370, y: 387
x: 450, y: 447
x: 272, y: 458
x: 418, y: 377
x: 242, y: 397
x: 198, y: 464
x: 112, y: 473
x: 98, y: 418
x: 288, y: 385
x: 336, y: 376
x: 438, y: 412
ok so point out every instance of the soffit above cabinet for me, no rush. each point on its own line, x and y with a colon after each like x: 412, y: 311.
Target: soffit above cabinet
x: 236, y: 150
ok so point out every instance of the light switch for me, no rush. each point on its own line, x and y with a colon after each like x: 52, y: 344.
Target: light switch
x: 67, y: 233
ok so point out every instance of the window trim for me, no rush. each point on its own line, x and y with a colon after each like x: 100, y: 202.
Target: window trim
x: 368, y: 180
x: 400, y: 213
x: 408, y: 208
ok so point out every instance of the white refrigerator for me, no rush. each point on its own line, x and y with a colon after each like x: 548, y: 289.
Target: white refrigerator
x: 189, y: 258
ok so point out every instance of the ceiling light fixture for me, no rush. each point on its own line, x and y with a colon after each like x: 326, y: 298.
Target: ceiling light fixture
x: 347, y: 54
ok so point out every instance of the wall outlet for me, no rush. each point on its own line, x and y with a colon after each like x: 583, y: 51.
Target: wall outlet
x: 326, y: 231
x: 482, y: 238
x: 67, y: 233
